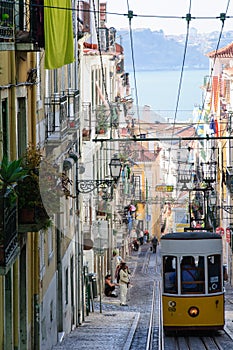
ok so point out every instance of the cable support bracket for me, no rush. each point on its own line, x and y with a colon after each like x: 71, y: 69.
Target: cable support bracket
x: 188, y: 17
x: 130, y: 15
x: 222, y: 17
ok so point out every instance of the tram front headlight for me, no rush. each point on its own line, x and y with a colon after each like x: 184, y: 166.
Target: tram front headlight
x: 193, y: 311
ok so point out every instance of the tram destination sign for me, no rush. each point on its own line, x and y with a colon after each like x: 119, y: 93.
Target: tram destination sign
x: 164, y: 188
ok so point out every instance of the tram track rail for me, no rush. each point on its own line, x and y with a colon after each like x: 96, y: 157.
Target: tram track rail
x: 153, y: 336
x: 207, y: 341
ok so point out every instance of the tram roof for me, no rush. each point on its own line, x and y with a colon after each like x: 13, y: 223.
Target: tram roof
x: 191, y: 235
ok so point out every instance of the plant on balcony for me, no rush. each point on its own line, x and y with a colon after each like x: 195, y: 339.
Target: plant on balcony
x: 10, y: 173
x: 40, y: 192
x: 101, y: 119
x: 38, y: 196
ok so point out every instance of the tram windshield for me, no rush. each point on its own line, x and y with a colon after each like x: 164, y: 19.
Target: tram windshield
x: 192, y: 274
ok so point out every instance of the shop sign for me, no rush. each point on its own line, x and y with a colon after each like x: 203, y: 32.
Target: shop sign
x: 220, y: 231
x: 228, y: 235
x: 164, y: 188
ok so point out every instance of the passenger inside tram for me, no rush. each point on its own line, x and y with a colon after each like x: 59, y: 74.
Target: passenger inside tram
x: 170, y: 280
x: 188, y: 274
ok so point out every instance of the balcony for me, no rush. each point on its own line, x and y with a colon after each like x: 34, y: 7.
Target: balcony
x: 21, y: 26
x: 102, y: 119
x: 33, y: 219
x: 56, y: 116
x: 7, y: 33
x: 86, y: 132
x: 73, y: 110
x: 9, y: 248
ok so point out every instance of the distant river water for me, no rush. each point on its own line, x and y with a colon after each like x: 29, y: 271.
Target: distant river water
x: 159, y: 89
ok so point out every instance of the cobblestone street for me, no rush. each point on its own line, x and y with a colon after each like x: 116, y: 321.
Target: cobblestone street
x: 115, y: 327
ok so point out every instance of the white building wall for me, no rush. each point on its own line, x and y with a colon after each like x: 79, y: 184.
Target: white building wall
x: 48, y: 316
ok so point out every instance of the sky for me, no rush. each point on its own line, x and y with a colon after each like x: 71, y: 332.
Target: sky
x: 170, y: 8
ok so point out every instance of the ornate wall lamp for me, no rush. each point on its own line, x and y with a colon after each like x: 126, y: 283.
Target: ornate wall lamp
x: 87, y: 186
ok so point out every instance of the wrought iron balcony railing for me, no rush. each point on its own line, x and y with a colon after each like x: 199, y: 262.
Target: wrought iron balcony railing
x: 56, y: 112
x: 73, y: 114
x: 9, y: 248
x: 86, y: 111
x: 21, y: 25
x: 6, y: 20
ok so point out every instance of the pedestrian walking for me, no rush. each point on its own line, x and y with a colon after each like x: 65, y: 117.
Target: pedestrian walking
x: 141, y: 236
x: 116, y: 260
x: 154, y: 242
x: 124, y: 283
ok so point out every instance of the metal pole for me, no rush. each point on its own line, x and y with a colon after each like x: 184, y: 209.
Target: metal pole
x: 100, y: 282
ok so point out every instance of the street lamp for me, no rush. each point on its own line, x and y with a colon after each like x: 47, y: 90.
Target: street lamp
x: 115, y: 168
x: 87, y: 186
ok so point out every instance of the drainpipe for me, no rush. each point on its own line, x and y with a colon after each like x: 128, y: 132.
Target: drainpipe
x: 14, y: 277
x: 78, y: 258
x: 13, y: 126
x: 36, y: 278
x: 59, y: 276
x: 35, y: 285
x: 33, y: 104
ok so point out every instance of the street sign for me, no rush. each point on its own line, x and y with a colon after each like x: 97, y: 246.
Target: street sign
x: 220, y: 231
x: 228, y: 235
x: 164, y: 188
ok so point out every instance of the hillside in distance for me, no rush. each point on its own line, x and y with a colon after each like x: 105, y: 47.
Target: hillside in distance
x: 153, y: 50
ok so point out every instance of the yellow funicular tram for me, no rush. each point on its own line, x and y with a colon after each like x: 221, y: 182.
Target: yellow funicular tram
x: 192, y: 288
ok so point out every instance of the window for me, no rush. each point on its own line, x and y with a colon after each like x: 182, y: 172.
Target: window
x: 42, y: 255
x: 214, y: 273
x: 50, y: 243
x: 170, y: 274
x: 192, y: 274
x: 67, y: 287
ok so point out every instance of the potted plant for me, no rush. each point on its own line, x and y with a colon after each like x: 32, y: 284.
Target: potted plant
x: 10, y: 173
x: 101, y: 119
x: 38, y: 198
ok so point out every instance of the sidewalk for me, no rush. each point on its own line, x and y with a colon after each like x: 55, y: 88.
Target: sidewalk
x: 106, y: 331
x: 229, y: 309
x: 113, y: 329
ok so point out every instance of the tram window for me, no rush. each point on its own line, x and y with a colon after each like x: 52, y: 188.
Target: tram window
x: 170, y: 274
x: 214, y: 273
x: 192, y: 274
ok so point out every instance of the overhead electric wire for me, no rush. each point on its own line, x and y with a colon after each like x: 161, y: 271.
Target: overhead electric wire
x: 188, y: 18
x: 126, y: 14
x: 130, y: 14
x: 222, y: 17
